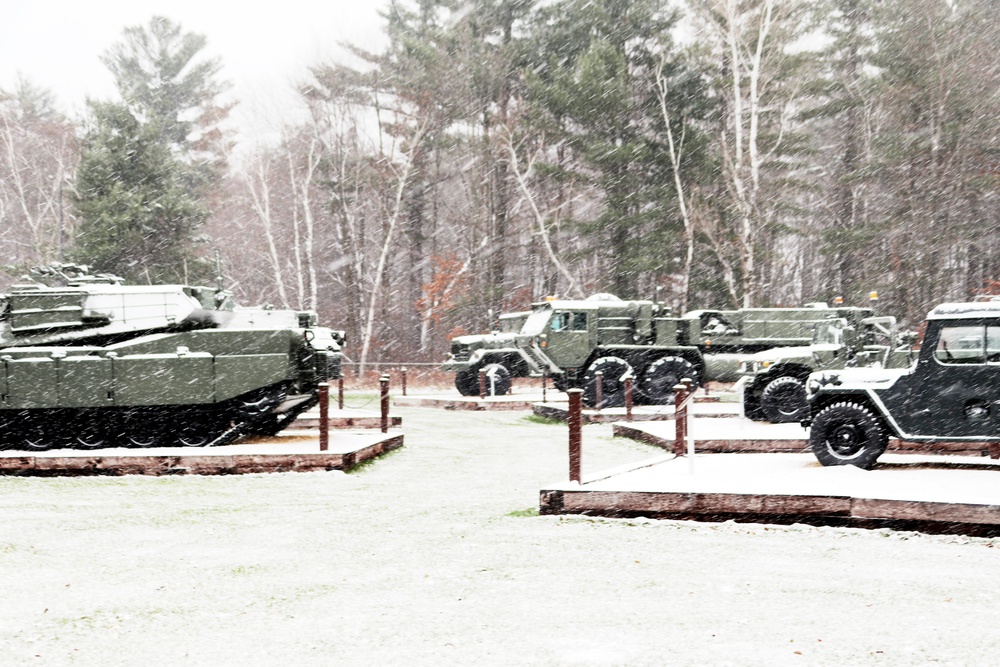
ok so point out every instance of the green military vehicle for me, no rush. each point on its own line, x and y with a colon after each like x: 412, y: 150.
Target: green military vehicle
x: 574, y: 341
x: 774, y: 384
x: 951, y: 393
x: 95, y: 363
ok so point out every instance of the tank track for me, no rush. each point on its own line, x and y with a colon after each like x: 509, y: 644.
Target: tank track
x: 158, y: 426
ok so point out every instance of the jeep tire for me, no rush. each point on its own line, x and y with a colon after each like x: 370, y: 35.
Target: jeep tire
x: 784, y: 400
x: 847, y: 434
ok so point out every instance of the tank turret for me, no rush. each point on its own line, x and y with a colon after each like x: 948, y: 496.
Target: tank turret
x: 96, y: 363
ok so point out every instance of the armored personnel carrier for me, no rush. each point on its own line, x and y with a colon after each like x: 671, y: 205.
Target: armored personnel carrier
x: 951, y: 393
x: 775, y: 379
x: 571, y: 341
x: 95, y: 363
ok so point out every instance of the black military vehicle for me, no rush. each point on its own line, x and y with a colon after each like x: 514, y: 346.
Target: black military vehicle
x: 952, y: 392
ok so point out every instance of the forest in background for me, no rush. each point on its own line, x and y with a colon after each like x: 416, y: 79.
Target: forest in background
x: 721, y: 153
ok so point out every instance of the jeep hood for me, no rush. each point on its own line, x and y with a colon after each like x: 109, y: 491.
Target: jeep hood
x: 859, y: 377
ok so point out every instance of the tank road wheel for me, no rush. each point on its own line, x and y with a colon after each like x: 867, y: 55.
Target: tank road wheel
x: 847, y: 434
x: 142, y: 430
x: 90, y: 434
x: 784, y: 400
x: 658, y: 381
x: 467, y: 382
x: 34, y: 437
x: 497, y: 380
x: 612, y: 384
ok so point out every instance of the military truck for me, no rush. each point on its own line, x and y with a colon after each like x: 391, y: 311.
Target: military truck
x: 94, y: 363
x: 774, y: 388
x: 573, y: 341
x: 951, y: 393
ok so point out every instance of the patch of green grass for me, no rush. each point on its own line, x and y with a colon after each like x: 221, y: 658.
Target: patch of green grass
x: 529, y: 512
x: 547, y: 421
x: 244, y: 570
x: 365, y: 465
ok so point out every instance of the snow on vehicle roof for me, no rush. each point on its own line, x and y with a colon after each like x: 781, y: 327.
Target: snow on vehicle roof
x: 965, y: 311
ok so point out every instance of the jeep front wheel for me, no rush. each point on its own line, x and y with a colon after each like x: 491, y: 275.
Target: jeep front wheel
x: 784, y: 400
x: 847, y: 434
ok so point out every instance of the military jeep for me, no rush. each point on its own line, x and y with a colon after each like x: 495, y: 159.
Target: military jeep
x: 775, y: 386
x: 951, y: 393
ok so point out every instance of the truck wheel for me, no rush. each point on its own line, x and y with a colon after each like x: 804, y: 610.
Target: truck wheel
x: 658, y: 382
x: 847, y: 434
x: 612, y: 384
x: 784, y: 400
x: 467, y: 382
x: 497, y: 380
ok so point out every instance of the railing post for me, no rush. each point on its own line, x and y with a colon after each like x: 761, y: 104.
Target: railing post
x: 628, y: 398
x: 575, y: 439
x: 545, y: 379
x: 598, y: 389
x: 403, y: 371
x: 482, y: 383
x: 324, y: 416
x: 689, y: 389
x: 680, y: 418
x: 384, y: 389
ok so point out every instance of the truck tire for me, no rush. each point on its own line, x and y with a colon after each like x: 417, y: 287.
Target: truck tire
x: 467, y: 382
x: 497, y: 380
x: 784, y: 400
x: 612, y: 385
x: 658, y: 381
x: 847, y: 434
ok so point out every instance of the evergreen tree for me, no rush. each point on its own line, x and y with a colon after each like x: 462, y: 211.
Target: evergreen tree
x: 594, y: 90
x: 148, y: 160
x: 139, y: 218
x: 161, y: 72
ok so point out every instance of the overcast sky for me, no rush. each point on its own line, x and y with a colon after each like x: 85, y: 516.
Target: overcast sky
x: 265, y: 47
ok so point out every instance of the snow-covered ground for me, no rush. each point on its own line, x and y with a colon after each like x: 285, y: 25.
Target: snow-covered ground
x: 435, y: 555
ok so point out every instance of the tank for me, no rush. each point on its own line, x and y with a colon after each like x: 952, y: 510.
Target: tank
x: 96, y: 363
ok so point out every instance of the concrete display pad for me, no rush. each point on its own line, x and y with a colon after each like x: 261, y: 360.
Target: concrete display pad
x: 455, y: 401
x: 739, y: 434
x: 346, y: 418
x: 701, y: 408
x: 927, y: 493
x: 289, y: 451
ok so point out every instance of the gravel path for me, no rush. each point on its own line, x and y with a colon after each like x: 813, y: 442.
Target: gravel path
x: 435, y: 555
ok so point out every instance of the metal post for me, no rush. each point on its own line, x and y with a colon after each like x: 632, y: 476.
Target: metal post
x: 575, y: 440
x: 628, y: 398
x: 689, y: 390
x: 680, y: 418
x: 384, y: 387
x: 340, y: 393
x: 324, y: 416
x: 545, y: 379
x: 598, y: 389
x: 482, y: 383
x: 403, y: 370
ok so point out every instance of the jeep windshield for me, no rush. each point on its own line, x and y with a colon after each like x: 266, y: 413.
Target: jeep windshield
x: 535, y: 324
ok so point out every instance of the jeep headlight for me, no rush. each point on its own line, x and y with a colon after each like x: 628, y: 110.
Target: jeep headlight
x: 812, y: 386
